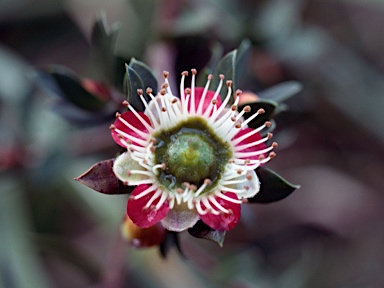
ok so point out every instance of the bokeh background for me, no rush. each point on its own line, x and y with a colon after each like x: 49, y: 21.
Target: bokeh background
x: 54, y: 232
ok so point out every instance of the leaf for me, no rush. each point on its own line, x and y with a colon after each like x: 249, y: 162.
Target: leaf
x: 134, y: 83
x: 145, y: 73
x: 201, y: 230
x: 241, y: 65
x: 272, y: 187
x: 103, y: 51
x: 216, y: 54
x: 282, y: 91
x: 171, y: 239
x: 70, y: 88
x: 226, y: 67
x: 100, y: 177
x: 268, y: 106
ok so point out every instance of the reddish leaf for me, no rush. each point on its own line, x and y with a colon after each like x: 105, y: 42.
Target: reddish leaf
x: 100, y: 177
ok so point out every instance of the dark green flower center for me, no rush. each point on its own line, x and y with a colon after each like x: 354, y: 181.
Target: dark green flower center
x: 191, y: 152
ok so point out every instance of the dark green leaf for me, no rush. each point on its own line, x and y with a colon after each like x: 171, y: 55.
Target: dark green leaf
x: 216, y: 54
x: 171, y: 239
x: 72, y: 90
x: 272, y: 187
x: 133, y: 83
x: 268, y: 106
x: 282, y: 91
x: 100, y: 177
x: 242, y: 60
x: 226, y: 67
x: 145, y: 73
x: 103, y: 51
x: 201, y: 230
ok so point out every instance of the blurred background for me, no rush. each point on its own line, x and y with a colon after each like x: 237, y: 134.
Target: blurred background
x: 55, y: 232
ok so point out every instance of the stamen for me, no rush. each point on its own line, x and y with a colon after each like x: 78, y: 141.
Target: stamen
x: 182, y: 95
x: 192, y: 109
x: 249, y: 134
x: 206, y: 183
x: 254, y: 143
x: 255, y: 153
x: 209, y: 108
x: 138, y: 116
x: 144, y: 193
x: 212, y: 198
x: 260, y: 111
x: 229, y: 199
x: 130, y: 137
x: 133, y: 128
x: 153, y: 198
x: 201, y: 103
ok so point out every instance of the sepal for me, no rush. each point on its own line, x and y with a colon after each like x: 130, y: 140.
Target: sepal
x: 203, y: 231
x: 272, y: 187
x: 100, y: 177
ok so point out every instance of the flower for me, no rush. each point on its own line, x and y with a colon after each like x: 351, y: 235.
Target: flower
x: 190, y: 158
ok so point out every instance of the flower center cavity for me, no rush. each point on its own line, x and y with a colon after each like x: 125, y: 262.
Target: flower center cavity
x: 192, y: 153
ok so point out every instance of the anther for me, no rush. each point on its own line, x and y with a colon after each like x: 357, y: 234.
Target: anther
x: 261, y: 111
x: 188, y: 91
x: 214, y: 101
x: 163, y: 109
x: 230, y: 161
x: 244, y: 200
x: 239, y: 171
x: 238, y: 92
x: 125, y: 103
x: 274, y: 145
x: 207, y: 181
x: 186, y: 185
x: 261, y: 157
x: 247, y: 109
x: 148, y: 90
x: 165, y: 74
x: 267, y: 124
x: 238, y: 126
x: 163, y: 92
x: 117, y: 115
x: 112, y: 127
x: 194, y: 72
x: 230, y: 212
x: 125, y: 183
x: 184, y: 73
x: 246, y: 187
x: 221, y: 76
x: 210, y: 76
x: 164, y: 85
x: 140, y: 91
x: 269, y: 135
x: 272, y: 155
x: 193, y: 187
x: 234, y: 107
x: 163, y: 166
x: 129, y: 173
x: 249, y: 177
x: 152, y: 149
x: 229, y: 83
x: 179, y: 191
x: 174, y: 100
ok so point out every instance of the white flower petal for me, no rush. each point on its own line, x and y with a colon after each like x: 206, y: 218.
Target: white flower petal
x: 180, y: 218
x: 253, y: 186
x: 125, y: 163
